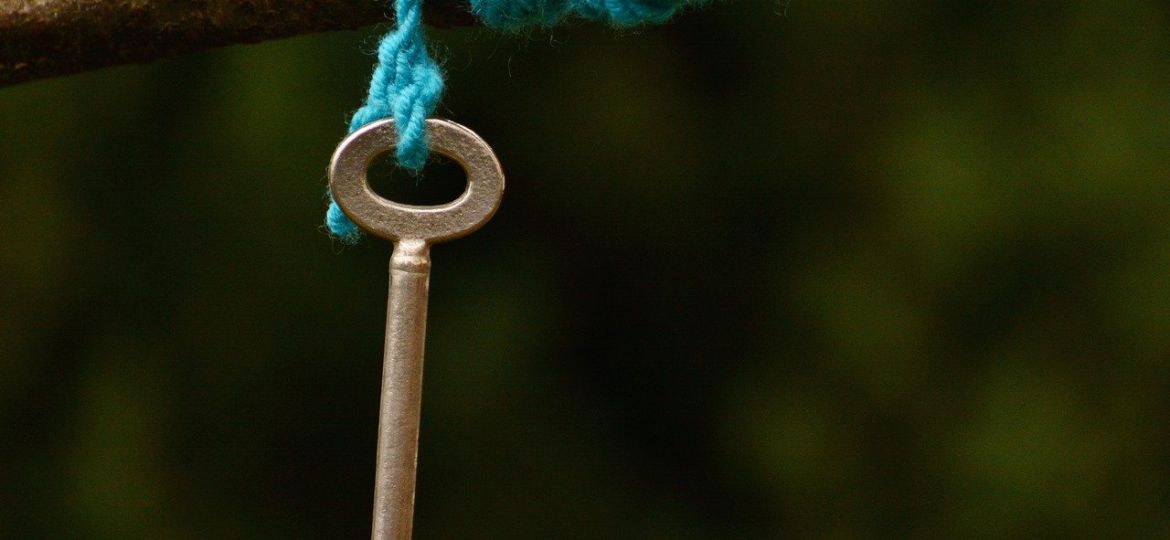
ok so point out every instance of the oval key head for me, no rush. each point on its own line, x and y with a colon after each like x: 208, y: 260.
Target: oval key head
x: 396, y: 221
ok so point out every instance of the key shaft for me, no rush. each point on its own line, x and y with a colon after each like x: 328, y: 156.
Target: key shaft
x: 401, y: 402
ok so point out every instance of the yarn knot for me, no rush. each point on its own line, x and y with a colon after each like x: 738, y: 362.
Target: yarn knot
x: 407, y: 84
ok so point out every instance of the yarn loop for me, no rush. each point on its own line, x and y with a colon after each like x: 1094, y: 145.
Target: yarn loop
x: 407, y: 84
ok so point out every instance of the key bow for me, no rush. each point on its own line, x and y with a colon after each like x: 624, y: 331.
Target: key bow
x: 396, y: 221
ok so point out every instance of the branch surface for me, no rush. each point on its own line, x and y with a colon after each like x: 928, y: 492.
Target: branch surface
x: 49, y: 38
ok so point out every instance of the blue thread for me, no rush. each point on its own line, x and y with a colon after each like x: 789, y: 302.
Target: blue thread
x: 339, y: 224
x: 515, y: 15
x: 407, y: 84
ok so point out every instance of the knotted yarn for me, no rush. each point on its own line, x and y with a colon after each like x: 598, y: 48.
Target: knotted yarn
x: 513, y: 15
x: 407, y: 84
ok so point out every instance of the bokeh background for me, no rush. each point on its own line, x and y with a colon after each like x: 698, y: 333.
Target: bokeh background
x: 894, y: 269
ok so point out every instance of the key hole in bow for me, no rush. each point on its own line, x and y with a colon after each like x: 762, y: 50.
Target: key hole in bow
x: 441, y: 181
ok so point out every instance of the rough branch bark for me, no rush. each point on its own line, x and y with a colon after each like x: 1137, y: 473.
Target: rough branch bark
x: 48, y: 38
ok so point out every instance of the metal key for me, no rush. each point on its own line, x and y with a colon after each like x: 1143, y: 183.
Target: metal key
x: 413, y: 229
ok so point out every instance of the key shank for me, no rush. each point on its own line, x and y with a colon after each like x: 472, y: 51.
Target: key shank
x: 401, y: 403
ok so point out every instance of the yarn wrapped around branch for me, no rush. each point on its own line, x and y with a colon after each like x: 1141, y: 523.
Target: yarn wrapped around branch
x: 515, y: 15
x: 407, y: 84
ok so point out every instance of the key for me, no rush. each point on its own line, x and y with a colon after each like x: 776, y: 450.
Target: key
x: 412, y: 229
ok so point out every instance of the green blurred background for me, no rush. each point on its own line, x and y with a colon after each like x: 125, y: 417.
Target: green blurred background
x: 816, y: 269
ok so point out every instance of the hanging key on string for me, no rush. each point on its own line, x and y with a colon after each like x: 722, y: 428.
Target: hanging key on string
x: 413, y: 229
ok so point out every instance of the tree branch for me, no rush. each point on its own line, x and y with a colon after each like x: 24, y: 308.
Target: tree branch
x: 49, y: 38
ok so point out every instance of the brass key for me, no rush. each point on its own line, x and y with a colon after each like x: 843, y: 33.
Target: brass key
x: 413, y: 229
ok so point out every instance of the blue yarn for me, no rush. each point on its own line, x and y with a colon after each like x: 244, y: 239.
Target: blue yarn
x: 339, y: 224
x: 407, y: 83
x: 520, y: 14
